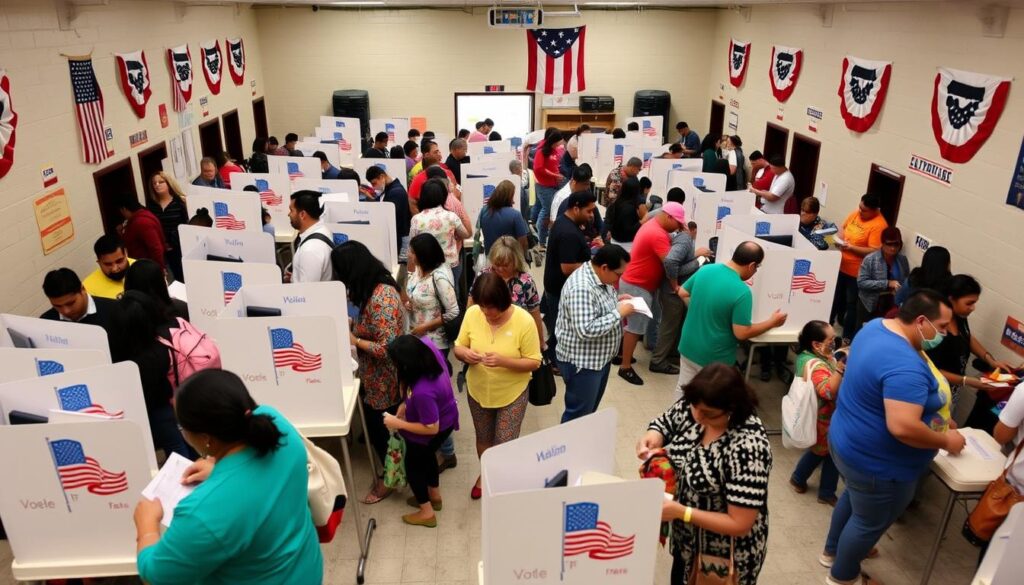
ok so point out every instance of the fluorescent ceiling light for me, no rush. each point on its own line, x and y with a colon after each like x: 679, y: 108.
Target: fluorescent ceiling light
x: 614, y: 3
x: 359, y: 3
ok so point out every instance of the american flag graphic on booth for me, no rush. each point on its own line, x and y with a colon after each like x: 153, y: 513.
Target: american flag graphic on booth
x: 223, y: 219
x: 762, y: 228
x: 294, y: 172
x: 586, y: 534
x: 804, y: 280
x: 517, y: 145
x: 723, y: 212
x: 232, y: 281
x: 390, y: 130
x: 488, y: 150
x: 345, y: 145
x: 555, y: 60
x: 647, y: 161
x: 617, y: 154
x: 339, y: 238
x: 290, y: 354
x: 267, y: 195
x: 339, y: 124
x: 488, y: 191
x: 77, y: 470
x: 88, y: 110
x: 49, y: 367
x: 76, y: 398
x: 648, y: 129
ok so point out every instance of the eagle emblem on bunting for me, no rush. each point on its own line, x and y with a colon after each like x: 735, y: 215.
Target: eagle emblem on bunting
x: 862, y: 90
x: 784, y: 70
x: 965, y: 109
x: 739, y: 56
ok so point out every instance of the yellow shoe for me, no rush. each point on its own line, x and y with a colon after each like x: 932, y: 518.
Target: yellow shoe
x: 411, y: 519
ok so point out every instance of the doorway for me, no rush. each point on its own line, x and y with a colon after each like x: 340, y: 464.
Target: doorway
x: 233, y: 135
x: 803, y: 163
x: 209, y: 139
x: 717, y: 121
x: 111, y: 183
x: 259, y: 118
x: 888, y: 185
x: 775, y: 140
x: 151, y: 161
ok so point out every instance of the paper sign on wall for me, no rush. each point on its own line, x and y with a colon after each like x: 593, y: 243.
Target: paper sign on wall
x: 49, y: 176
x: 53, y: 216
x: 1013, y: 336
x: 164, y: 120
x: 1015, y: 196
x: 941, y: 174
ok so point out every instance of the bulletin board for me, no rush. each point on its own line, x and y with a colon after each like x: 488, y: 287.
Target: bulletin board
x: 512, y: 112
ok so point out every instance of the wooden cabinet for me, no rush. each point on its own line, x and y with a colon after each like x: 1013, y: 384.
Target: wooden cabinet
x: 571, y: 118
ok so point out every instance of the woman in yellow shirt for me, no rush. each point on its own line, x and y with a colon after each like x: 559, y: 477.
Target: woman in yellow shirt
x: 499, y: 341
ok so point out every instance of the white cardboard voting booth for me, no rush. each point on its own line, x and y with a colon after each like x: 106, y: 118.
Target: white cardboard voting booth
x: 59, y: 523
x: 44, y: 333
x: 660, y: 168
x: 232, y: 210
x: 210, y: 285
x: 651, y: 128
x: 295, y: 167
x: 581, y: 534
x: 273, y: 191
x: 397, y: 129
x: 476, y: 149
x: 247, y: 245
x: 800, y: 280
x: 331, y: 147
x: 711, y: 209
x: 19, y: 364
x: 477, y: 191
x: 394, y: 167
x: 376, y: 214
x: 345, y: 187
x: 342, y: 123
x: 612, y: 153
x: 112, y: 390
x: 344, y: 144
x: 694, y: 184
x: 380, y: 243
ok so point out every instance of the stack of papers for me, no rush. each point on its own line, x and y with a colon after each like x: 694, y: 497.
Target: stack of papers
x: 168, y: 487
x: 640, y: 306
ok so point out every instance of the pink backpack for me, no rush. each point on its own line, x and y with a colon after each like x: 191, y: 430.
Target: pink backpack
x: 191, y: 350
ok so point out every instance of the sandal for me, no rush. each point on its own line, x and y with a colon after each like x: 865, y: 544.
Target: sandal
x: 377, y: 493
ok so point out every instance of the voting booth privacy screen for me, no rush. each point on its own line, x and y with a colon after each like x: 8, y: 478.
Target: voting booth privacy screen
x: 230, y: 209
x: 19, y: 364
x: 199, y: 243
x: 30, y: 332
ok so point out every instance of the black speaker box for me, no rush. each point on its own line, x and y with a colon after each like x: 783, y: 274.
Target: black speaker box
x: 353, y: 103
x: 653, y: 102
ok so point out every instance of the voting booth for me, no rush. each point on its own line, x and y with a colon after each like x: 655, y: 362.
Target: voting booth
x: 331, y: 147
x: 694, y: 184
x: 476, y: 191
x: 352, y: 125
x: 477, y: 149
x: 273, y: 190
x: 231, y: 210
x: 794, y: 276
x: 21, y: 363
x: 651, y: 127
x: 68, y: 509
x: 397, y: 129
x: 202, y: 243
x: 595, y: 529
x: 295, y: 167
x: 30, y: 332
x: 373, y: 216
x: 710, y: 209
x: 660, y: 168
x: 394, y: 167
x: 211, y: 285
x: 345, y: 187
x: 380, y: 243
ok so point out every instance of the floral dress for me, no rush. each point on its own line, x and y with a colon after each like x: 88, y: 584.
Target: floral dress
x: 523, y: 289
x: 381, y: 320
x: 734, y: 470
x: 424, y: 304
x: 445, y: 226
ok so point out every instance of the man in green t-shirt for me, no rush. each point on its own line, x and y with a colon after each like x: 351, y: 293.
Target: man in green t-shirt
x: 719, y: 310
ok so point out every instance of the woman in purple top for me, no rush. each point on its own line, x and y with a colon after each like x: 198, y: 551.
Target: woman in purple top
x: 426, y: 418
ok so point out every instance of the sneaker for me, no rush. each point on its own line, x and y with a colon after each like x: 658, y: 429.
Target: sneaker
x: 617, y: 360
x: 446, y: 462
x: 826, y: 560
x: 631, y: 377
x: 832, y: 501
x: 664, y: 368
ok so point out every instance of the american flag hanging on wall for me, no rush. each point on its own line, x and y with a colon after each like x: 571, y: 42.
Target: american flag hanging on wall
x: 555, y: 60
x: 88, y: 109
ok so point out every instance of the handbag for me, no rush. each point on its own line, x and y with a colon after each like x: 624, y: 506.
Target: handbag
x: 542, y: 385
x: 800, y: 411
x: 713, y: 570
x: 325, y: 491
x: 659, y: 465
x: 450, y: 328
x: 993, y: 506
x: 394, y: 462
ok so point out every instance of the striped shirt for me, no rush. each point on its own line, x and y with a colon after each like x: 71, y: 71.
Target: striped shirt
x: 589, y: 326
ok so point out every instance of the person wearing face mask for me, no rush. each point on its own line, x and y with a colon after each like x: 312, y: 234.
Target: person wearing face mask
x: 390, y: 190
x: 107, y: 281
x: 891, y: 419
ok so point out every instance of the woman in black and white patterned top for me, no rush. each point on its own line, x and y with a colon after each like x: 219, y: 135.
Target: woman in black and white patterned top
x: 722, y: 458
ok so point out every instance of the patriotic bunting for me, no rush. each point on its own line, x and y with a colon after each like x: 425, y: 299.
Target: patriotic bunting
x: 739, y: 56
x: 213, y: 64
x: 134, y: 74
x: 784, y: 70
x: 236, y: 60
x: 965, y: 109
x: 179, y: 59
x: 88, y: 110
x: 862, y: 90
x: 8, y: 124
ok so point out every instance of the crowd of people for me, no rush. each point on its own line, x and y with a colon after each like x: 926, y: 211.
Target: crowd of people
x: 888, y: 369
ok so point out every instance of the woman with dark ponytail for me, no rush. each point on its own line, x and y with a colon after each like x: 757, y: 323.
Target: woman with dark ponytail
x: 248, y: 519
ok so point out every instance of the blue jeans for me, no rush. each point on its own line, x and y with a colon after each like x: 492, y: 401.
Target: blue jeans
x: 583, y: 389
x: 867, y: 508
x: 829, y: 474
x: 545, y: 195
x: 549, y: 307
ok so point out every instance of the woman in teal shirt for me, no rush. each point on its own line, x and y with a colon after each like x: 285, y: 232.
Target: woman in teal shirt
x: 248, y: 520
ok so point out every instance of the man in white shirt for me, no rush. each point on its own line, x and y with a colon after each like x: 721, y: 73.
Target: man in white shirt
x: 1010, y: 429
x: 774, y: 199
x: 312, y: 260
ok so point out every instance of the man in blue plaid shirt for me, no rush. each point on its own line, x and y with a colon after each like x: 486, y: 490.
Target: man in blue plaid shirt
x: 589, y: 329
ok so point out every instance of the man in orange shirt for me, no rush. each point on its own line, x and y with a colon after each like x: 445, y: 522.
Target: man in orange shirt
x: 860, y: 234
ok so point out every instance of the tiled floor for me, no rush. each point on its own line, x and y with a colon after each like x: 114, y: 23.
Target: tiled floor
x: 448, y: 555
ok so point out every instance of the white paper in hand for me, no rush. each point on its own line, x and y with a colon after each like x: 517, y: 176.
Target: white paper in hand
x: 640, y: 306
x: 168, y: 487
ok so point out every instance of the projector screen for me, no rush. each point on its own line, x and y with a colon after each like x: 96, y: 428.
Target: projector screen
x: 512, y: 112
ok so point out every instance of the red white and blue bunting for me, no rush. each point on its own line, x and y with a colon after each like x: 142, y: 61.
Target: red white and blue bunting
x: 8, y: 124
x: 862, y: 90
x: 784, y: 70
x: 739, y: 57
x: 965, y: 109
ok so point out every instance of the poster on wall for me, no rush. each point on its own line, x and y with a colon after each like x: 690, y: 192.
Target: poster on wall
x: 236, y: 60
x: 8, y: 123
x: 1015, y: 196
x: 213, y: 65
x: 134, y: 73
x: 739, y: 56
x: 784, y: 70
x: 1013, y: 336
x: 53, y: 216
x: 862, y: 90
x: 965, y: 109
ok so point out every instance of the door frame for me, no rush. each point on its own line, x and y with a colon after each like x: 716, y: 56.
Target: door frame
x: 774, y: 126
x: 817, y: 162
x: 98, y: 175
x: 901, y: 179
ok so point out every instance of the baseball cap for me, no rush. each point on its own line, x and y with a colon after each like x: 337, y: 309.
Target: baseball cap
x: 675, y: 211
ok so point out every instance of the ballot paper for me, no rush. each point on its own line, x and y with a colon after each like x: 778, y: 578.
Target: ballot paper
x: 838, y: 241
x: 640, y: 306
x: 168, y: 487
x: 825, y: 231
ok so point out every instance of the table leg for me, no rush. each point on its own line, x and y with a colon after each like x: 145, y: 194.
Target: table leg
x: 371, y: 524
x: 750, y: 362
x: 947, y: 512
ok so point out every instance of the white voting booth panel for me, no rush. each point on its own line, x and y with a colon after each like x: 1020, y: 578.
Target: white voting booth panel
x: 475, y: 149
x: 693, y: 184
x: 552, y: 535
x: 273, y: 190
x: 379, y: 241
x: 587, y: 147
x: 307, y: 299
x: 247, y: 245
x: 799, y: 280
x: 477, y: 191
x: 232, y: 210
x: 397, y: 129
x: 44, y: 333
x: 330, y: 147
x: 488, y: 168
x: 442, y: 140
x: 374, y: 213
x: 55, y: 516
x: 211, y: 285
x: 345, y: 144
x: 660, y: 169
x: 394, y: 167
x: 339, y: 122
x: 612, y: 153
x: 291, y: 363
x: 711, y: 209
x: 651, y: 127
x: 112, y: 390
x: 19, y: 364
x: 346, y: 187
x: 295, y: 167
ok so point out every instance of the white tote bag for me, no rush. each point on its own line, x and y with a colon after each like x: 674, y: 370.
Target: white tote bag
x: 326, y: 490
x: 800, y: 411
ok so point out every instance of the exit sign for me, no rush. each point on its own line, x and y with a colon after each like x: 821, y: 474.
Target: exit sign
x: 494, y: 88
